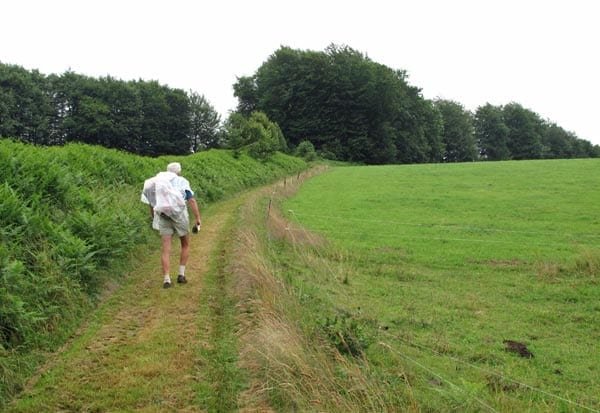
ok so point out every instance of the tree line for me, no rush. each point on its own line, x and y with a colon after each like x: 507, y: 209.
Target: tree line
x: 352, y: 108
x: 337, y: 102
x: 141, y: 117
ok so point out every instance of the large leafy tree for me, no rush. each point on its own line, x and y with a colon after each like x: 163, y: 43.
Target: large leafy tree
x: 165, y: 120
x: 525, y: 129
x: 419, y: 131
x: 558, y: 143
x: 25, y: 105
x: 491, y: 133
x: 204, y: 123
x: 124, y: 111
x: 177, y: 121
x: 66, y: 94
x: 458, y: 135
x: 245, y: 90
x: 292, y: 89
x: 90, y: 119
x: 584, y: 149
x: 344, y: 103
x: 102, y: 111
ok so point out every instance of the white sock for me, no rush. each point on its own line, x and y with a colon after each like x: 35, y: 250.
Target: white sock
x: 167, y: 278
x: 182, y: 270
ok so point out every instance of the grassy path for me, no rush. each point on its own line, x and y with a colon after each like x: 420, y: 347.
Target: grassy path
x: 142, y: 349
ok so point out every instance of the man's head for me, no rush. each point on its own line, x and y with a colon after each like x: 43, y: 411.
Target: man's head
x: 174, y: 167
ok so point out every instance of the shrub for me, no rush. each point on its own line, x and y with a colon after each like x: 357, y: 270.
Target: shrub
x: 348, y: 334
x: 256, y: 134
x: 306, y: 150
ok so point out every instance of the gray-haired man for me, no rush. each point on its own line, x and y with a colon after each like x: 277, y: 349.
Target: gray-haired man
x: 178, y: 224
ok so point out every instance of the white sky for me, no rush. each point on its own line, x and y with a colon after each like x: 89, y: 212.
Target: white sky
x: 541, y: 54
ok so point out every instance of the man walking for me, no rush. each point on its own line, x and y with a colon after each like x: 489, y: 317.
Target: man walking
x: 175, y: 223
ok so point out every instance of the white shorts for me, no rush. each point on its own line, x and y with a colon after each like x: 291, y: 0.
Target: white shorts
x: 170, y: 226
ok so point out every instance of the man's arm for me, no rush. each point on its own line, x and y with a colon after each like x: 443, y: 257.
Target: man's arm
x: 196, y: 210
x: 151, y: 212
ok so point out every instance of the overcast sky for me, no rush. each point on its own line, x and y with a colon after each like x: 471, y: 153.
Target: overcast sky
x: 541, y: 54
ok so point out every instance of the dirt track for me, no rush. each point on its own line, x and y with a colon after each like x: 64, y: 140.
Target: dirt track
x: 138, y: 352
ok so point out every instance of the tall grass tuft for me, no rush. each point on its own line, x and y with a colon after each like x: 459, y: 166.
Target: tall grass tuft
x: 588, y: 263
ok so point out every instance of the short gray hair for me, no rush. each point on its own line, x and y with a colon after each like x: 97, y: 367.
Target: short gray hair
x: 174, y: 167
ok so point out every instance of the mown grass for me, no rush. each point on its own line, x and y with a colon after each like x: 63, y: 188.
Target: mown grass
x: 222, y: 379
x: 70, y: 217
x: 431, y: 267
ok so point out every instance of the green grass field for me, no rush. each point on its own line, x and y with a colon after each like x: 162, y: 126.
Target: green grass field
x: 439, y: 264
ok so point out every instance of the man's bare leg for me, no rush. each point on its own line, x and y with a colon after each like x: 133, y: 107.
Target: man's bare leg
x: 183, y: 258
x: 165, y: 259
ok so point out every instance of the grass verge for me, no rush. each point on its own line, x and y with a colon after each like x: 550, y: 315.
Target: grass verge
x: 292, y: 364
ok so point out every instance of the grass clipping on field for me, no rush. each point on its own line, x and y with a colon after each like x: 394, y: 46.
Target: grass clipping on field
x: 288, y: 370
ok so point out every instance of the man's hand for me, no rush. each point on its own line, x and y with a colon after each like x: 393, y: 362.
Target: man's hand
x: 196, y: 228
